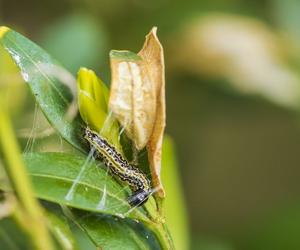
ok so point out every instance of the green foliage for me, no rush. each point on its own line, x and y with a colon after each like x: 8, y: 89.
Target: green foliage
x: 53, y: 174
x: 54, y: 98
x: 97, y: 203
x: 116, y: 233
x: 59, y: 227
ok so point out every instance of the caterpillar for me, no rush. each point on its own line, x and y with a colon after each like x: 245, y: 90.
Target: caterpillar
x: 121, y: 168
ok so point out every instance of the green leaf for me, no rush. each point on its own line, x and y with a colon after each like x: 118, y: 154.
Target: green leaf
x: 59, y: 227
x: 109, y: 232
x: 38, y: 69
x: 53, y: 174
x: 82, y: 239
x: 175, y: 218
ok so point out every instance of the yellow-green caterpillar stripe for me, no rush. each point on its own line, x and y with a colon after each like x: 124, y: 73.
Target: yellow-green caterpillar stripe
x: 120, y: 167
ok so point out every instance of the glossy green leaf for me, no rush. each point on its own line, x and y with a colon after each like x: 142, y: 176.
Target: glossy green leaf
x: 53, y: 175
x: 38, y: 69
x: 109, y: 232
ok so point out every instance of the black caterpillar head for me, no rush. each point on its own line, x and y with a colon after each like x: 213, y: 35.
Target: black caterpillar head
x: 138, y: 198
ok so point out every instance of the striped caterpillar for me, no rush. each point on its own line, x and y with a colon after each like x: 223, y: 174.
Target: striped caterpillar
x: 118, y: 166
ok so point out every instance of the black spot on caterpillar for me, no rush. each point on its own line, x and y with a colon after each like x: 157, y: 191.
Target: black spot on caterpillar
x: 120, y: 167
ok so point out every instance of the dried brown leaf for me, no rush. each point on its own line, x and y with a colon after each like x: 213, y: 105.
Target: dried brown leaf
x: 132, y: 98
x: 137, y: 99
x: 152, y: 54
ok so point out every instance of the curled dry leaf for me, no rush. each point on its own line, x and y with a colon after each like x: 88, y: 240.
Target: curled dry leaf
x: 137, y: 99
x: 132, y: 98
x: 152, y: 53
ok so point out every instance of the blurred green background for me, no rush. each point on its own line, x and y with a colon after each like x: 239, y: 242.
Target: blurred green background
x: 233, y: 100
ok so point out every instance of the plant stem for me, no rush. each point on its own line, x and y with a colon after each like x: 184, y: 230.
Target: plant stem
x: 157, y: 224
x: 22, y: 185
x: 162, y: 234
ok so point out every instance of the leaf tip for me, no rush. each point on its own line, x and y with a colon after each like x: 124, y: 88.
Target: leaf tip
x: 152, y: 34
x: 154, y: 30
x: 3, y: 30
x: 82, y: 69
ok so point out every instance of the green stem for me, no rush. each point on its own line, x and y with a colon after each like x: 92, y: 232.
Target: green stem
x: 162, y: 234
x: 156, y: 224
x: 22, y: 185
